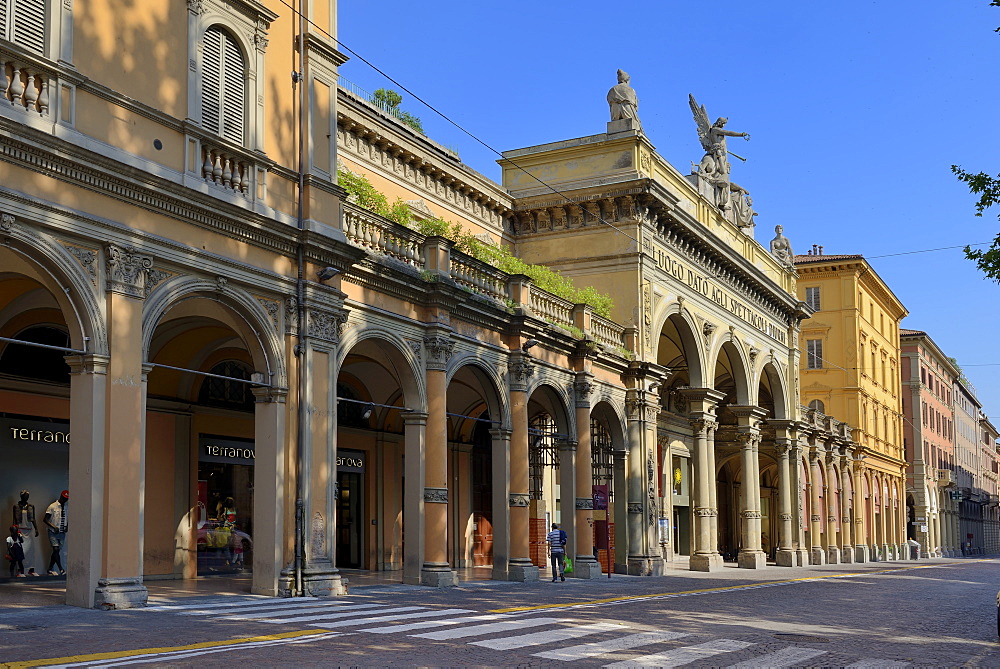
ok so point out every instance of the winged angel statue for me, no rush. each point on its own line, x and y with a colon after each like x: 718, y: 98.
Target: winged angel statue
x: 715, y: 164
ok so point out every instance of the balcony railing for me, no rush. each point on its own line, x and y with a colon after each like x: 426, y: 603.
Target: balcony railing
x: 435, y: 255
x: 25, y: 82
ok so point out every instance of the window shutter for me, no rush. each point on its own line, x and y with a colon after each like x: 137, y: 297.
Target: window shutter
x: 223, y: 105
x: 3, y: 19
x: 211, y: 82
x: 234, y: 91
x: 28, y: 27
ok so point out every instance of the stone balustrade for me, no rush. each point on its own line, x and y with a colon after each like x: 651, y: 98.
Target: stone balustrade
x: 478, y: 276
x: 381, y: 236
x: 606, y: 331
x: 551, y: 308
x: 23, y: 84
x: 226, y: 169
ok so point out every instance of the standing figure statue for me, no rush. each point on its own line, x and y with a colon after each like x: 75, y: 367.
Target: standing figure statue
x: 781, y: 248
x: 623, y: 100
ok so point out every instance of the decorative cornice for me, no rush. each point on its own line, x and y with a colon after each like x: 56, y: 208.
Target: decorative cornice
x: 585, y: 503
x: 634, y: 507
x: 325, y: 325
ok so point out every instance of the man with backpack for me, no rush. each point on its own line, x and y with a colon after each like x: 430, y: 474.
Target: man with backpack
x: 557, y: 551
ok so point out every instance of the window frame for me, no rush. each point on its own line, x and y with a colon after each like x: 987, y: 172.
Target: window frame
x: 814, y: 356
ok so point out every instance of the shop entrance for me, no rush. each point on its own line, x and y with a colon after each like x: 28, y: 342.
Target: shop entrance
x: 225, y: 505
x: 350, y: 509
x: 482, y: 497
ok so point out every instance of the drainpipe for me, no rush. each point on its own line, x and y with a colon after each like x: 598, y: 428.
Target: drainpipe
x: 300, y: 294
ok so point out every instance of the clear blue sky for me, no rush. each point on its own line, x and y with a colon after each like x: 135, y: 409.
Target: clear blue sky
x: 856, y: 110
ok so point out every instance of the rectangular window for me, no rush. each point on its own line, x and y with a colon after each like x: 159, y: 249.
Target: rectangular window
x: 812, y: 298
x: 923, y: 376
x: 814, y: 354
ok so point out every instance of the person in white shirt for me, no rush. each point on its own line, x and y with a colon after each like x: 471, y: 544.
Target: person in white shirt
x: 55, y: 519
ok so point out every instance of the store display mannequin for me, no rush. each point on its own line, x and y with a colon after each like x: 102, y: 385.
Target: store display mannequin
x: 15, y: 554
x: 24, y: 519
x: 55, y: 519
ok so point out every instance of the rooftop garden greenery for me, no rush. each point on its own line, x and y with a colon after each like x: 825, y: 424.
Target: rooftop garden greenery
x: 362, y: 193
x: 390, y: 100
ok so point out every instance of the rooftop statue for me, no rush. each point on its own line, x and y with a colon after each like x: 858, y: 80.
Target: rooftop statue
x: 623, y: 100
x: 781, y: 248
x: 715, y: 163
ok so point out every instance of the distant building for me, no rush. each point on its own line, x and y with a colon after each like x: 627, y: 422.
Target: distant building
x: 849, y: 368
x: 928, y: 377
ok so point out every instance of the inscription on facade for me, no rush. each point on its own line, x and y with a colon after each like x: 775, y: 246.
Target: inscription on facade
x: 700, y: 283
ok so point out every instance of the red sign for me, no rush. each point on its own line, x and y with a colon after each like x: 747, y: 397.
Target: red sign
x: 600, y: 494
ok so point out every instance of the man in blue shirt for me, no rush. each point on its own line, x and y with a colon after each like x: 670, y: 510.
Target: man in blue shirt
x: 557, y: 551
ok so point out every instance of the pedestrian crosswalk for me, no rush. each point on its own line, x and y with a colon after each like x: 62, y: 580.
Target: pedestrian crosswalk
x: 609, y: 644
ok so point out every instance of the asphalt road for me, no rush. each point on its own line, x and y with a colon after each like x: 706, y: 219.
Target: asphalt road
x: 939, y: 613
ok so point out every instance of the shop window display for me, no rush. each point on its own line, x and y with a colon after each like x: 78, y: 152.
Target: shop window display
x: 225, y: 506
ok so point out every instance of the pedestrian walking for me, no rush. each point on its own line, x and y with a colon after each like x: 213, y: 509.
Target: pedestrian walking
x: 557, y: 551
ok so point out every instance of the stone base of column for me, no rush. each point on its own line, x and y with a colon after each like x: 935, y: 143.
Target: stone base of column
x: 888, y: 552
x: 861, y: 553
x: 803, y: 557
x: 903, y: 551
x: 751, y: 560
x: 833, y: 555
x: 847, y: 554
x: 705, y: 562
x: 786, y: 557
x: 646, y: 565
x: 438, y: 575
x: 522, y: 571
x: 323, y: 580
x: 817, y: 556
x: 120, y: 593
x: 586, y: 566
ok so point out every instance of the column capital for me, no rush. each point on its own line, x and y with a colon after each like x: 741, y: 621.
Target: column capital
x: 439, y: 347
x: 270, y: 395
x: 520, y: 367
x: 414, y: 418
x: 748, y: 415
x: 702, y: 400
x: 90, y: 363
x: 128, y: 271
x: 583, y: 387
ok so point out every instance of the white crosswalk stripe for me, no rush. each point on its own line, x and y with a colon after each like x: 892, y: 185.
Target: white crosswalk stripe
x: 683, y: 655
x: 489, y: 628
x: 296, y: 615
x: 874, y: 663
x: 401, y: 616
x: 786, y: 657
x: 548, y: 636
x: 586, y: 650
x: 262, y: 606
x: 340, y: 614
x: 263, y: 601
x: 391, y: 629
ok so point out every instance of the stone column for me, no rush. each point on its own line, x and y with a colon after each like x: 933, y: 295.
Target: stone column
x: 567, y: 491
x: 846, y: 523
x: 436, y: 570
x: 861, y: 538
x: 269, y: 501
x: 120, y: 584
x: 318, y: 351
x: 751, y: 554
x: 620, y: 512
x: 833, y: 513
x: 520, y: 568
x: 785, y: 556
x: 702, y: 403
x: 817, y: 555
x: 644, y: 555
x: 87, y: 392
x: 800, y: 512
x: 501, y: 502
x: 414, y: 460
x: 586, y: 565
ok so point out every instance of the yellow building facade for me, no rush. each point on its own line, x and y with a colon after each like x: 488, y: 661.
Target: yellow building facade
x: 850, y: 368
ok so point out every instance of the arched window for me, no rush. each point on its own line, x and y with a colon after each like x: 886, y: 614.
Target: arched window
x: 23, y: 22
x: 32, y: 362
x: 223, y: 85
x: 227, y: 392
x: 817, y: 405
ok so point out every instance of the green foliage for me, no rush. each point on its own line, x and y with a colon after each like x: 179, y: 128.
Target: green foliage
x: 362, y: 193
x: 988, y: 189
x: 390, y: 101
x: 387, y: 97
